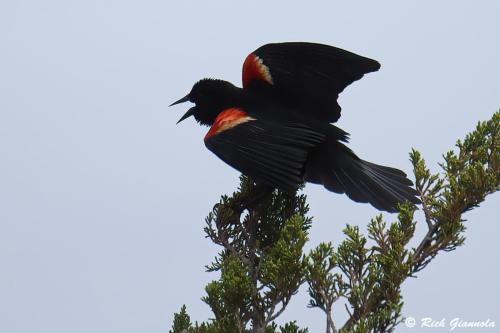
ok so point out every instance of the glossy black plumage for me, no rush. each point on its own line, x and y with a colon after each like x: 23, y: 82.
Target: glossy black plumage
x: 276, y: 152
x: 309, y: 77
x: 277, y: 128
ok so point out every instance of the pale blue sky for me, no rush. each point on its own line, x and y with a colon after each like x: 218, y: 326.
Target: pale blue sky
x: 102, y: 196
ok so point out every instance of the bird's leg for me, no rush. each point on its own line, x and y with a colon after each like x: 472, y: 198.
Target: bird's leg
x: 257, y: 195
x: 251, y: 199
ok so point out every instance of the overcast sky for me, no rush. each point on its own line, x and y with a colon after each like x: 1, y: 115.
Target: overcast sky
x: 103, y: 197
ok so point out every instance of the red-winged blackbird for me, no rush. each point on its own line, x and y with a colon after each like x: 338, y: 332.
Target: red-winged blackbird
x: 277, y: 128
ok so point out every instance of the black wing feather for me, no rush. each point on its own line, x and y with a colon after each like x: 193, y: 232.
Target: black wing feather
x: 270, y: 152
x: 309, y: 76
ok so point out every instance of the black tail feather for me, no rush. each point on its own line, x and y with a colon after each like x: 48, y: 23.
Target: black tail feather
x: 340, y: 170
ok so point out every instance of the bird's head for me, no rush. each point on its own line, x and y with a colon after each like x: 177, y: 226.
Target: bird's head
x: 210, y: 96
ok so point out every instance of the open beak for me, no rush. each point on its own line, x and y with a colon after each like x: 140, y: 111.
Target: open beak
x: 188, y: 114
x: 182, y: 100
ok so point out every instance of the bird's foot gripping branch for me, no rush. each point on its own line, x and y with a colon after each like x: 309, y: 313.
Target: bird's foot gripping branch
x: 262, y: 262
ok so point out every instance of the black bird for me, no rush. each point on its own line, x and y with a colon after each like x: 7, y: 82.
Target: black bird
x: 277, y: 128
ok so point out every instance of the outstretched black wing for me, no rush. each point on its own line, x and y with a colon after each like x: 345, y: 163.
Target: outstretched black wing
x: 305, y: 76
x: 270, y: 152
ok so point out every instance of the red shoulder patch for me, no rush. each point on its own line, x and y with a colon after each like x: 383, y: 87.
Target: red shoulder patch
x: 254, y: 69
x: 227, y: 119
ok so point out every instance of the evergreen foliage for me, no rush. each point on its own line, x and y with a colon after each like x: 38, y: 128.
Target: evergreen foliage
x: 262, y: 234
